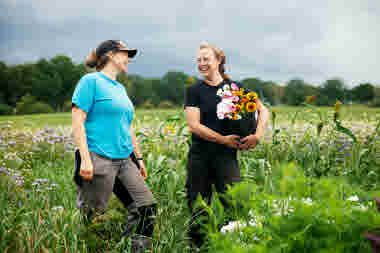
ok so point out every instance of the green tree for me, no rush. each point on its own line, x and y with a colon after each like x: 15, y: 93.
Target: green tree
x: 331, y: 91
x: 363, y: 93
x: 172, y: 87
x: 296, y: 90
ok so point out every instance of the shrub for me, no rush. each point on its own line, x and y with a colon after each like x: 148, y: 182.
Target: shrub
x: 5, y: 109
x: 67, y: 106
x: 29, y: 105
x: 148, y: 104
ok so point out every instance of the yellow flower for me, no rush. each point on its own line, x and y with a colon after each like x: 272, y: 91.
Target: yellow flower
x: 238, y: 108
x: 234, y: 116
x: 252, y: 95
x: 237, y: 93
x: 251, y: 107
x: 169, y: 130
x: 310, y: 99
x: 337, y: 106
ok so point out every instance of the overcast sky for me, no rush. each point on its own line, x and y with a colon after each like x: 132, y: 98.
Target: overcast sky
x: 273, y: 39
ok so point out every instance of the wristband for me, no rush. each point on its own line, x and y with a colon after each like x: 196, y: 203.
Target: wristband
x: 139, y: 159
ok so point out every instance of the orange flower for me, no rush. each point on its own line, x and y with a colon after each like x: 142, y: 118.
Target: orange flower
x: 310, y: 99
x: 244, y: 101
x: 234, y: 116
x: 251, y: 107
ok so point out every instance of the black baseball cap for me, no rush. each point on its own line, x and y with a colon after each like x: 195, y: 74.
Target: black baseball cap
x: 114, y: 46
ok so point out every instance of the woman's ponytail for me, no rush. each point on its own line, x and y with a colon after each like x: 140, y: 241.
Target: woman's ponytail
x: 92, y: 59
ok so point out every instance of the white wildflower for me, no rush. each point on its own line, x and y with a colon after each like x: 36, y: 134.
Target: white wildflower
x: 353, y: 198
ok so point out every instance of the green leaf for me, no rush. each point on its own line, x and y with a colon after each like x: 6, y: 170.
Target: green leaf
x: 345, y: 130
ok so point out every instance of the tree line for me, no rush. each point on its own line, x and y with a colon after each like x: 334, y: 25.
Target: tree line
x: 47, y: 86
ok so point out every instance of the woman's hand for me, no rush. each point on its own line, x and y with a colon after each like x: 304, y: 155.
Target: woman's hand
x: 86, y: 170
x: 231, y: 141
x: 143, y: 170
x: 249, y: 142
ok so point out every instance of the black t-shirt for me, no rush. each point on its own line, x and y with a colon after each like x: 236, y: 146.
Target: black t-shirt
x: 203, y: 96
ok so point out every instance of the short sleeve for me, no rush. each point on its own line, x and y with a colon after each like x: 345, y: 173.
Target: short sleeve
x: 84, y: 94
x: 192, y: 97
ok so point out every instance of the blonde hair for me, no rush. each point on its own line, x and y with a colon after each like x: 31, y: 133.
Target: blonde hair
x: 219, y: 54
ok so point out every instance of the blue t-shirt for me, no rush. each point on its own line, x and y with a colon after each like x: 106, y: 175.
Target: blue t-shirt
x: 109, y: 115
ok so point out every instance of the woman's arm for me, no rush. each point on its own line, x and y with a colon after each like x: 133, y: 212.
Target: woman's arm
x: 138, y: 154
x: 78, y: 118
x: 193, y: 119
x: 262, y: 122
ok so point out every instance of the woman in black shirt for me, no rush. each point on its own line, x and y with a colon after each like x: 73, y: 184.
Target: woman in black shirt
x: 212, y: 159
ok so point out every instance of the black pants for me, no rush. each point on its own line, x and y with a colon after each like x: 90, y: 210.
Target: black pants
x: 208, y: 167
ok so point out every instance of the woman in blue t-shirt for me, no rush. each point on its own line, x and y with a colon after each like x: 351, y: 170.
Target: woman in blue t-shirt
x: 102, y: 116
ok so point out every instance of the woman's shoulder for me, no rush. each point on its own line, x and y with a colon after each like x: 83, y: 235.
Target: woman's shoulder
x: 89, y: 77
x: 195, y: 86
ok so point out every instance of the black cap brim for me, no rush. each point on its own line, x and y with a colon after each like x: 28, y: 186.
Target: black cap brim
x: 131, y: 52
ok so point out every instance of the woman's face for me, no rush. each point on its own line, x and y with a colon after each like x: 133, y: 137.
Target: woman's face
x: 208, y: 64
x: 120, y: 61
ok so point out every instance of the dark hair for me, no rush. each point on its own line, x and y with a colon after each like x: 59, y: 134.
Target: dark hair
x: 219, y: 54
x: 94, y: 61
x: 99, y: 57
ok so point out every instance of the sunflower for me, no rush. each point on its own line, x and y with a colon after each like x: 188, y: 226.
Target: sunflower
x: 251, y: 107
x: 238, y: 108
x: 252, y: 95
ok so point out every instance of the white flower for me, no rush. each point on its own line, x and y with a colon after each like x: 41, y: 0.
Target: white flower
x: 353, y: 198
x: 232, y: 226
x: 220, y: 115
x: 226, y: 87
x: 57, y: 208
x: 307, y: 201
x: 238, y: 225
x: 219, y: 93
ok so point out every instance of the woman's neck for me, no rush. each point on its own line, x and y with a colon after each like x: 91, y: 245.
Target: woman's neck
x: 109, y: 72
x: 214, y: 80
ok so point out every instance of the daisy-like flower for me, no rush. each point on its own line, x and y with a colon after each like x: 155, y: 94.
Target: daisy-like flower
x: 251, y: 107
x: 353, y: 198
x: 169, y: 130
x: 219, y: 92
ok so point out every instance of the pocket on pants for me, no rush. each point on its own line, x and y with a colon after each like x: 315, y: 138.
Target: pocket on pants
x: 102, y: 166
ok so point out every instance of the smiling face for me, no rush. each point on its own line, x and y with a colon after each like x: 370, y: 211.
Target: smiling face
x: 120, y: 61
x: 208, y: 64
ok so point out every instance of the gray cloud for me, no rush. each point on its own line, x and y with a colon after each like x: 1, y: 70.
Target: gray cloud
x: 273, y: 40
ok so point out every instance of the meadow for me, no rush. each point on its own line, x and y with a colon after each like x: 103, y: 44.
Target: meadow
x: 309, y: 186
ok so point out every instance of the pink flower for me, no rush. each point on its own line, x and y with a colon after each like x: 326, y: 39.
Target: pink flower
x: 234, y: 86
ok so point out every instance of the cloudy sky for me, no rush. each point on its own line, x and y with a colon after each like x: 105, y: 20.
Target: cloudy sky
x: 273, y: 39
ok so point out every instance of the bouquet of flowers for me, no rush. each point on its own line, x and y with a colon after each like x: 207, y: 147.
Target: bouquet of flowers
x: 237, y: 105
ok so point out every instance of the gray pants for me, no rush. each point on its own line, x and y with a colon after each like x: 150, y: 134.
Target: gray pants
x: 94, y: 194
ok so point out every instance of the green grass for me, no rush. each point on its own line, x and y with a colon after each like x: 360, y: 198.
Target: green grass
x: 285, y: 113
x: 292, y: 161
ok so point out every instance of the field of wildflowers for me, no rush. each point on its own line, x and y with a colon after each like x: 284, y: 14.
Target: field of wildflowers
x: 308, y: 187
